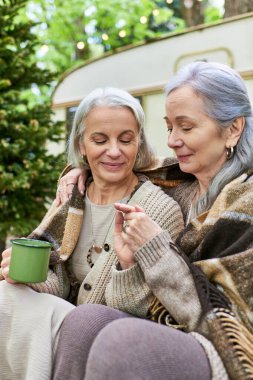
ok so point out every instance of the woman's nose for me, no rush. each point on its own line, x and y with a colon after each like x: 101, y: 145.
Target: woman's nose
x: 174, y: 140
x: 113, y: 150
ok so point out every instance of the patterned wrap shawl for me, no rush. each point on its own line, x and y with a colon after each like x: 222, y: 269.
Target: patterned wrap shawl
x: 218, y: 248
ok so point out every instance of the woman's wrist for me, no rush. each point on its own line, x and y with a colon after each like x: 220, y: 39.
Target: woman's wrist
x: 126, y: 265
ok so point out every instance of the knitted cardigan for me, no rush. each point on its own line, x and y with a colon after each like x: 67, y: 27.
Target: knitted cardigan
x: 207, y: 286
x: 61, y: 226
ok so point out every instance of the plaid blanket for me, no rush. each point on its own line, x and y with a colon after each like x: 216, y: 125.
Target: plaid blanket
x: 218, y: 248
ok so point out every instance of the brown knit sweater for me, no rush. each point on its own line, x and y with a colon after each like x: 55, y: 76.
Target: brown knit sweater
x: 61, y: 226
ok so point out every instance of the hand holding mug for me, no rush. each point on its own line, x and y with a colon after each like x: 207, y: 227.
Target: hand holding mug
x: 5, y: 266
x: 26, y: 262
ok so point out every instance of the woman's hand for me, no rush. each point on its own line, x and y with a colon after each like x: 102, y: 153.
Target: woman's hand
x: 66, y: 183
x: 133, y: 228
x: 5, y: 266
x: 123, y: 252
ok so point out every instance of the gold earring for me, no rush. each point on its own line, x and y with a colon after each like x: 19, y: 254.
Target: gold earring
x: 230, y: 153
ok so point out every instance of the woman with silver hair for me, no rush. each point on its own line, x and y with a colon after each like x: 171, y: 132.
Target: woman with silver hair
x: 202, y: 282
x: 108, y: 138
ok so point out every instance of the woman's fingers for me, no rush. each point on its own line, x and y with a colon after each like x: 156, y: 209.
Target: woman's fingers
x: 67, y: 183
x: 1, y: 274
x: 81, y: 182
x: 119, y: 220
x: 5, y: 266
x: 139, y: 209
x: 124, y: 207
x: 6, y: 258
x: 63, y: 194
x: 125, y: 214
x: 6, y: 254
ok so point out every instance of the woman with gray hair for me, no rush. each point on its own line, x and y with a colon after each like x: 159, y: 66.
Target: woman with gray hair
x: 202, y: 283
x: 108, y: 138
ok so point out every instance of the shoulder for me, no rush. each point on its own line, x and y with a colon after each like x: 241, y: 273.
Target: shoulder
x: 166, y: 172
x: 236, y: 198
x: 156, y: 202
x: 240, y: 185
x: 148, y: 192
x: 161, y: 207
x: 249, y: 175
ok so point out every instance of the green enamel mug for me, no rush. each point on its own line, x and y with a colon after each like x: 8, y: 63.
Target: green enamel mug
x: 29, y: 260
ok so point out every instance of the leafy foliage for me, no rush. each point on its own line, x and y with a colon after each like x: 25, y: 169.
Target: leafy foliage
x: 212, y: 14
x: 101, y: 26
x: 74, y: 31
x: 28, y: 173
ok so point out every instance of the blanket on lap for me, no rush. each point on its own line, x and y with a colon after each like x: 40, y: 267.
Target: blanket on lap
x: 218, y: 248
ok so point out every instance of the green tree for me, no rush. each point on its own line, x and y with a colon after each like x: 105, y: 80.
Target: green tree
x: 28, y: 173
x: 81, y: 29
x: 74, y: 31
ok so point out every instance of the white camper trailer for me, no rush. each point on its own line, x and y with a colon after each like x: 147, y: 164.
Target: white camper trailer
x: 143, y: 70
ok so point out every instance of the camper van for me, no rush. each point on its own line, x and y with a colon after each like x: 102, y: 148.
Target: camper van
x: 144, y: 70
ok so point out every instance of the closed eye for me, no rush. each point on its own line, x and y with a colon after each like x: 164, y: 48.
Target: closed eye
x: 168, y: 125
x: 187, y: 129
x: 100, y: 142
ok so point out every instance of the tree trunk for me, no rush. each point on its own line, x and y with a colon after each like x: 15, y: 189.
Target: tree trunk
x: 237, y: 7
x: 192, y: 12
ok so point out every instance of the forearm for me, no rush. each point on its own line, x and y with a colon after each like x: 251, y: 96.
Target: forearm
x: 170, y: 279
x: 128, y: 291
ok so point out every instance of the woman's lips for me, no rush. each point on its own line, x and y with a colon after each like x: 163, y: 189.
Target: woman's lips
x: 112, y: 165
x: 183, y: 158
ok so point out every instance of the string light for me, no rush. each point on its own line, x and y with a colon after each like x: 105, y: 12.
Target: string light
x: 156, y: 12
x: 188, y: 3
x: 80, y: 45
x: 122, y: 33
x: 143, y: 19
x: 44, y: 49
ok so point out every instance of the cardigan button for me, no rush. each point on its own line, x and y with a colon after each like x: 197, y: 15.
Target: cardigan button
x: 106, y: 247
x: 87, y: 286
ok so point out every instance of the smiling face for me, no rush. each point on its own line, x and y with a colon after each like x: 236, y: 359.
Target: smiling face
x: 196, y: 139
x: 110, y: 142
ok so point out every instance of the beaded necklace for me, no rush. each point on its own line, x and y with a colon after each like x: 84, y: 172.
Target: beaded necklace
x: 105, y: 246
x: 94, y: 247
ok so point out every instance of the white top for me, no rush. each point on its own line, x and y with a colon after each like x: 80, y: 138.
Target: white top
x: 98, y: 222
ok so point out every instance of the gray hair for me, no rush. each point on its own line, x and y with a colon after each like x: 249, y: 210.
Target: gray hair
x: 114, y: 98
x: 225, y: 98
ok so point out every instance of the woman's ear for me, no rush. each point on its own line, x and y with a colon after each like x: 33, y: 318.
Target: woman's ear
x: 235, y: 131
x: 82, y: 149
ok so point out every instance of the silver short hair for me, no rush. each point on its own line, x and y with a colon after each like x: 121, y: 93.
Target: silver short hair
x: 225, y: 98
x: 114, y: 98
